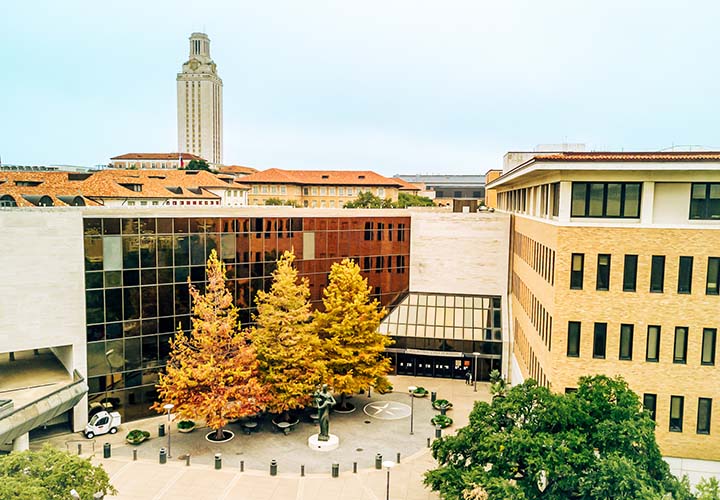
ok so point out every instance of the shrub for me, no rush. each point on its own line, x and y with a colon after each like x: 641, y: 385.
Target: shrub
x: 441, y: 420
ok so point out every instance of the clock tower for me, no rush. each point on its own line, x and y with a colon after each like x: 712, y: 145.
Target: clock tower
x: 199, y: 100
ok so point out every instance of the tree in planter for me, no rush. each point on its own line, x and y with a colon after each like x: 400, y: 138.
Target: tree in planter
x: 597, y: 443
x: 352, y: 347
x: 50, y: 474
x: 212, y: 373
x: 288, y: 350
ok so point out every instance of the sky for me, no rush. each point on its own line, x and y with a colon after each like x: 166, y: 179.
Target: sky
x: 394, y: 86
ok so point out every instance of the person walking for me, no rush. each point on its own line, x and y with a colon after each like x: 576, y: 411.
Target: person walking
x: 468, y: 378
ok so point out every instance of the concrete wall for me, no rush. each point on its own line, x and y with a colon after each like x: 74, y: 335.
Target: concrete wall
x: 671, y: 204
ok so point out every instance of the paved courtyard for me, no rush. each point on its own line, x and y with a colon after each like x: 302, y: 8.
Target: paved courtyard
x: 361, y: 437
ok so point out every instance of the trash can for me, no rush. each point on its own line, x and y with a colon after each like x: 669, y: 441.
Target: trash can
x: 378, y: 461
x: 218, y: 461
x: 163, y: 455
x: 335, y: 470
x: 106, y: 450
x: 273, y: 467
x: 433, y: 396
x: 161, y: 430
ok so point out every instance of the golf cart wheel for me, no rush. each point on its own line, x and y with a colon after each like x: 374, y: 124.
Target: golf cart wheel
x: 89, y: 435
x: 113, y: 430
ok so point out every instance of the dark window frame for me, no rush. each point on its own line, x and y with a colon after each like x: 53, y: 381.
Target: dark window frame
x: 705, y: 429
x: 657, y: 282
x: 624, y: 330
x: 600, y: 340
x: 576, y: 336
x: 685, y: 274
x: 713, y: 332
x: 577, y: 277
x: 715, y: 290
x: 631, y: 259
x: 605, y: 273
x: 680, y: 357
x: 676, y: 423
x: 652, y: 408
x: 588, y: 190
x: 653, y: 329
x: 705, y: 206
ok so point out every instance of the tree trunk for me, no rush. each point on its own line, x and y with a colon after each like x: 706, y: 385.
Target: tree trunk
x: 342, y: 402
x: 219, y: 435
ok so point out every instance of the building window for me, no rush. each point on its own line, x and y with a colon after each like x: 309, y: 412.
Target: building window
x: 314, y: 191
x: 381, y: 192
x: 379, y: 263
x: 680, y: 348
x: 713, y: 276
x: 401, y: 232
x: 676, y: 413
x: 306, y: 191
x: 555, y: 198
x: 331, y: 191
x: 705, y: 201
x: 264, y: 189
x: 598, y: 199
x: 626, y: 342
x: 368, y: 231
x: 630, y: 273
x: 599, y: 340
x: 657, y: 274
x: 380, y: 230
x: 708, y: 346
x: 603, y: 272
x: 650, y: 403
x: 652, y: 352
x: 576, y: 271
x: 283, y: 189
x: 573, y: 340
x: 341, y: 191
x: 477, y: 194
x: 439, y: 194
x: 350, y: 191
x: 323, y: 191
x: 457, y: 194
x: 685, y: 268
x: 704, y: 415
x: 367, y: 265
x: 273, y: 189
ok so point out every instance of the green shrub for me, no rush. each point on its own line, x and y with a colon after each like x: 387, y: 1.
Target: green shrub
x: 441, y: 420
x: 186, y: 424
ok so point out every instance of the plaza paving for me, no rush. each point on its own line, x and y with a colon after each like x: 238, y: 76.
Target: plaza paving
x: 361, y: 437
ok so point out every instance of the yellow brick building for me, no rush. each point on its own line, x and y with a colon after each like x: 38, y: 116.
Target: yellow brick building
x: 614, y: 264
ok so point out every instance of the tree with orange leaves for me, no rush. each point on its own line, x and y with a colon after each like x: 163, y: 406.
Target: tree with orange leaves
x: 212, y: 373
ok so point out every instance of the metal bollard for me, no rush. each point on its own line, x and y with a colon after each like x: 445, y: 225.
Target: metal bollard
x: 433, y: 396
x: 242, y: 465
x: 378, y: 461
x: 218, y: 461
x: 398, y: 457
x: 79, y: 448
x: 335, y: 470
x: 273, y: 467
x: 354, y: 467
x: 163, y: 455
x: 302, y: 470
x: 161, y: 430
x: 428, y: 444
x: 187, y: 460
x: 107, y: 452
x: 134, y: 455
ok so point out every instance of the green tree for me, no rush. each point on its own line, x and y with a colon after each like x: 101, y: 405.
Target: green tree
x: 708, y: 489
x: 413, y: 200
x: 352, y: 347
x: 596, y: 443
x: 213, y: 372
x: 279, y: 202
x: 198, y: 165
x: 287, y: 349
x: 368, y: 200
x: 50, y: 474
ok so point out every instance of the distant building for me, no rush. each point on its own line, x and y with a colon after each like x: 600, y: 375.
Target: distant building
x: 133, y: 161
x: 449, y: 187
x: 237, y: 170
x: 319, y: 188
x: 199, y: 103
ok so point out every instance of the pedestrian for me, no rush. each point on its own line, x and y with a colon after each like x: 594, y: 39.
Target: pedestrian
x: 468, y: 378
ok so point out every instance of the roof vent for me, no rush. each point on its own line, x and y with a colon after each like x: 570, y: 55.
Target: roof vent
x: 361, y: 176
x: 133, y: 187
x: 174, y: 190
x: 325, y: 176
x: 78, y: 177
x: 191, y: 172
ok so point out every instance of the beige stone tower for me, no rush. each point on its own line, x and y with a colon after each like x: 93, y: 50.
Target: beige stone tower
x: 199, y: 98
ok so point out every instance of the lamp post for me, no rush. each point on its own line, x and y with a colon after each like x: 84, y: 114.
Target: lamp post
x: 388, y: 464
x: 168, y: 407
x: 412, y: 407
x: 475, y: 354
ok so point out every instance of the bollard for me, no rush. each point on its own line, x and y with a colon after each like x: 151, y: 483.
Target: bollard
x: 438, y: 432
x: 273, y: 467
x: 335, y: 470
x: 134, y: 455
x: 433, y: 396
x: 218, y: 461
x: 428, y: 444
x: 398, y: 457
x: 187, y: 460
x: 354, y: 467
x: 161, y: 430
x: 106, y: 450
x: 79, y: 448
x: 302, y: 471
x: 242, y: 465
x: 378, y: 461
x: 163, y: 455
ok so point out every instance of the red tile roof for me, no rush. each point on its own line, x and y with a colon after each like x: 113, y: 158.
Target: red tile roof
x: 318, y: 177
x: 237, y: 169
x: 660, y: 156
x: 156, y: 156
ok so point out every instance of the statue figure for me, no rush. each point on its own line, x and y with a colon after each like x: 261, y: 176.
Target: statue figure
x: 324, y: 402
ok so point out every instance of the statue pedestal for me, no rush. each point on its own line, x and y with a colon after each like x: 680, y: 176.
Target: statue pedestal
x: 315, y: 444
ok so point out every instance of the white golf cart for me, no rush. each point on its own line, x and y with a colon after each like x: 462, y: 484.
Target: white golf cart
x: 102, y: 423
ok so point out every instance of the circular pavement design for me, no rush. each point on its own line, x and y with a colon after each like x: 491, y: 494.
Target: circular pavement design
x: 387, y: 410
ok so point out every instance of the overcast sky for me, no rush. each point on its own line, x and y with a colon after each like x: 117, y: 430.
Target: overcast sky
x: 393, y: 86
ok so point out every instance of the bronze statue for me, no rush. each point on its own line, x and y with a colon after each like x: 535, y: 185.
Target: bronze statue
x: 324, y: 402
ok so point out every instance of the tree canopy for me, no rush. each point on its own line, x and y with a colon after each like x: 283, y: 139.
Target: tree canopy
x: 288, y: 351
x: 368, y: 200
x: 530, y: 443
x: 50, y: 474
x: 352, y: 347
x: 212, y: 373
x: 197, y: 165
x: 413, y: 200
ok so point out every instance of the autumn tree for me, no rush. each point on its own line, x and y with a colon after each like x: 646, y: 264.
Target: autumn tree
x: 212, y: 373
x: 288, y: 351
x: 50, y: 474
x: 348, y: 328
x: 594, y: 444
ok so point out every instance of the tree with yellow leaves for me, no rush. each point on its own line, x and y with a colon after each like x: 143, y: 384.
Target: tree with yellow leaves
x: 288, y: 350
x: 352, y: 347
x: 212, y: 373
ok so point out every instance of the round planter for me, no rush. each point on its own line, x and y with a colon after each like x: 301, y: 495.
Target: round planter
x: 137, y: 438
x: 227, y: 435
x: 186, y: 430
x: 420, y: 394
x: 443, y: 423
x: 349, y: 409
